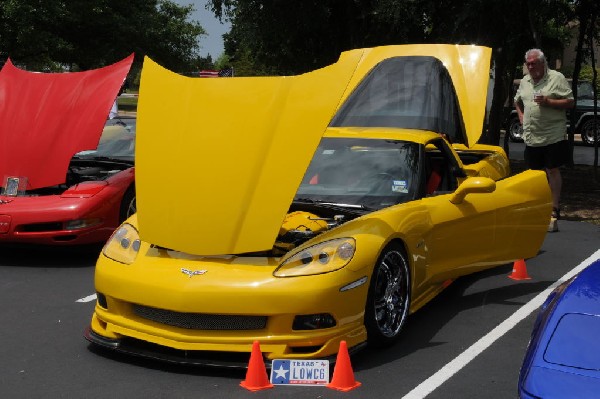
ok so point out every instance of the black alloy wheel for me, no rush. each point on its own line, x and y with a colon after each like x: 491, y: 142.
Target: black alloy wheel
x: 128, y: 206
x: 388, y: 300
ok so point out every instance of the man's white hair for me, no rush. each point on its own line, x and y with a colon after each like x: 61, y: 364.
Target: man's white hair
x: 537, y: 53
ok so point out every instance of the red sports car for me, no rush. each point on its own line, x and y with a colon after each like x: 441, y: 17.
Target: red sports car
x: 64, y: 179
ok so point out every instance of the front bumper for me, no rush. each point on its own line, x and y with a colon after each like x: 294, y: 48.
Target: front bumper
x: 232, y: 304
x: 41, y: 220
x: 135, y: 347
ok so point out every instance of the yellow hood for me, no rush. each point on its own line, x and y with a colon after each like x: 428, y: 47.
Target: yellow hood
x: 218, y: 161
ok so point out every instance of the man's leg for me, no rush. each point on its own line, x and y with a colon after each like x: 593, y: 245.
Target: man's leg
x: 555, y: 182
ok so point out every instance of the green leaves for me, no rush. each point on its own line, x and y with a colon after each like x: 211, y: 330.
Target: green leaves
x: 80, y: 35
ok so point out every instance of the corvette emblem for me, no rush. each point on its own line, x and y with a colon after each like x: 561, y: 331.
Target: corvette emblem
x: 191, y: 273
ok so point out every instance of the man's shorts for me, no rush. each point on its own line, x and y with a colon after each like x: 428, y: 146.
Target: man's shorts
x: 548, y: 156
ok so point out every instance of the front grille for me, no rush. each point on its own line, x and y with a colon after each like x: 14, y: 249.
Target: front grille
x: 200, y: 321
x: 40, y: 227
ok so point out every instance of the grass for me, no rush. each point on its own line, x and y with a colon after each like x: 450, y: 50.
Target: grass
x: 580, y: 194
x: 128, y: 103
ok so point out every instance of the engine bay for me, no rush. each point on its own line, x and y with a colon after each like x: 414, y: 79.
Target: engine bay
x: 305, y: 221
x: 81, y: 170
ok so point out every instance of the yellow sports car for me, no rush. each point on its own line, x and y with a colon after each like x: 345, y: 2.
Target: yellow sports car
x: 301, y: 211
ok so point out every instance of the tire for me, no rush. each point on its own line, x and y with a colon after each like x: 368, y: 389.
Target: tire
x: 388, y: 299
x: 128, y: 205
x: 587, y: 131
x: 515, y: 130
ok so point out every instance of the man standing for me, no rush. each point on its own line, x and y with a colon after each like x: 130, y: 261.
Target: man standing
x: 541, y: 102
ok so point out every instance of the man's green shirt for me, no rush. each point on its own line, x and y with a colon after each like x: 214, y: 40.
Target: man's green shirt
x: 543, y: 125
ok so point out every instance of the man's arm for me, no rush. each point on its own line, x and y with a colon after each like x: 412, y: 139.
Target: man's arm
x: 558, y: 103
x: 519, y: 108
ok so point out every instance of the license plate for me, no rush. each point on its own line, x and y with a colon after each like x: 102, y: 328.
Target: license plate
x: 300, y: 372
x: 14, y: 185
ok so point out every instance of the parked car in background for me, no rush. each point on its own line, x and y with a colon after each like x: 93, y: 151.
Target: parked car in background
x: 66, y: 173
x: 98, y: 194
x: 313, y: 209
x: 562, y: 356
x: 584, y: 115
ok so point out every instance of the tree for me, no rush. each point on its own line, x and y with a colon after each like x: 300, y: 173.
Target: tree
x: 586, y: 12
x: 283, y: 37
x: 80, y: 35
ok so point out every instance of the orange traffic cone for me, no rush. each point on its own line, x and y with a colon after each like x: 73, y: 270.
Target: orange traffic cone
x: 519, y: 271
x: 343, y: 376
x: 256, y: 375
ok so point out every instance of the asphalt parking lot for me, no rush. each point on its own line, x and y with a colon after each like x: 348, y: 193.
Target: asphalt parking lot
x: 467, y: 343
x: 45, y: 355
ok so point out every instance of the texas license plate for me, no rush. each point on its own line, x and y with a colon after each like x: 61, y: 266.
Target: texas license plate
x: 300, y: 372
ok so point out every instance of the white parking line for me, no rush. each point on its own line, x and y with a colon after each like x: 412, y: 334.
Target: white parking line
x: 444, y: 374
x: 88, y: 298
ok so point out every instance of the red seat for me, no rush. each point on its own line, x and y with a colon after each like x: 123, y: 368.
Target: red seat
x: 434, y: 179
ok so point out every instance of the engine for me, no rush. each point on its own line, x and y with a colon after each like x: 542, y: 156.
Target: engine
x: 78, y: 174
x: 300, y: 226
x: 81, y: 171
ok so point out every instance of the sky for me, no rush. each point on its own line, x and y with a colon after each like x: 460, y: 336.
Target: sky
x: 212, y: 42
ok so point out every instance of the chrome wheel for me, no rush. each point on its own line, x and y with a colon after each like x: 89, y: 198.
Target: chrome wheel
x: 515, y: 130
x: 588, y: 136
x: 389, y: 297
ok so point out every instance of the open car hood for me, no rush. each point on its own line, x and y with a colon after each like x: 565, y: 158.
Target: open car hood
x: 45, y: 118
x: 468, y: 66
x: 218, y: 161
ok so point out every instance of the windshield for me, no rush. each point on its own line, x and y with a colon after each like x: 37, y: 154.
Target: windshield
x: 117, y: 140
x: 585, y: 91
x: 367, y: 173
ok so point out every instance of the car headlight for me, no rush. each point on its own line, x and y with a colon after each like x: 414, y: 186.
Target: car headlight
x: 124, y: 244
x: 324, y: 257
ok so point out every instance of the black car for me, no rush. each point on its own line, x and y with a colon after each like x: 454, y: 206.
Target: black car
x: 584, y: 115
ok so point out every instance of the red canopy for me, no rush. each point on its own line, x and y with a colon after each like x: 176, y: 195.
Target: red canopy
x: 45, y: 118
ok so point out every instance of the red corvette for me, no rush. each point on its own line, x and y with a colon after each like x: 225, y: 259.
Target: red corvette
x: 66, y: 173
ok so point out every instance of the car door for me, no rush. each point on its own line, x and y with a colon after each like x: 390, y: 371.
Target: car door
x: 461, y: 235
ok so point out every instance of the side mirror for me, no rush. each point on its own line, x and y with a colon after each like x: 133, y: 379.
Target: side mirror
x: 457, y: 172
x: 471, y: 186
x: 470, y: 171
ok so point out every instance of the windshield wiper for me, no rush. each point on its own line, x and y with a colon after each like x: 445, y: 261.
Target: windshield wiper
x: 352, y: 206
x: 115, y: 160
x: 307, y: 200
x: 334, y: 204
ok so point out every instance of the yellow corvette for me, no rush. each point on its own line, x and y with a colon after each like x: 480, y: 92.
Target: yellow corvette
x: 301, y: 211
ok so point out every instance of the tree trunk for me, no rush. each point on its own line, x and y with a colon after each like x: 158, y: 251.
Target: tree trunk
x: 496, y: 114
x: 576, y: 70
x: 592, y: 35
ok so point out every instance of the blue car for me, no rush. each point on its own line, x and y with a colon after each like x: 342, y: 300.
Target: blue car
x: 563, y: 356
